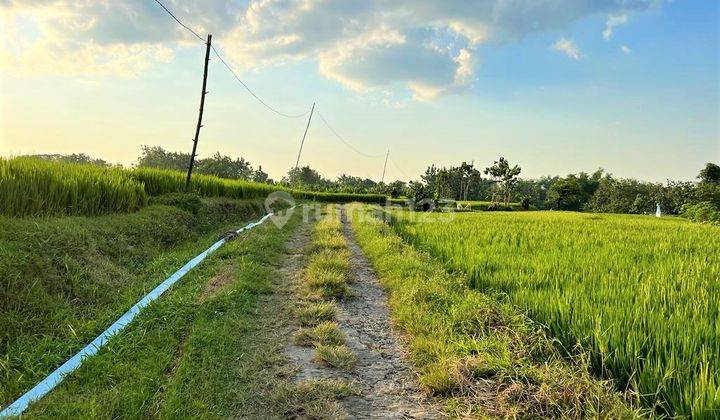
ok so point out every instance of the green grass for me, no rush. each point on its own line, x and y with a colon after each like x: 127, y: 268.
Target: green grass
x: 477, y: 352
x: 194, y: 353
x: 335, y: 355
x: 326, y: 333
x: 66, y: 279
x: 639, y: 294
x: 35, y: 187
x: 313, y: 314
x: 471, y: 205
x: 328, y: 271
x: 487, y: 205
x: 325, y: 279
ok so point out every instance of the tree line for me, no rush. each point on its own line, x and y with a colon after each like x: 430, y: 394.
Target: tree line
x: 499, y: 183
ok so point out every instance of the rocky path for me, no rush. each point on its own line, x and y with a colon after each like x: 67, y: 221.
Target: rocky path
x: 387, y: 387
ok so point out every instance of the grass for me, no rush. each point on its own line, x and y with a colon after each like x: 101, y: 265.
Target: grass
x: 195, y: 355
x: 65, y: 280
x: 313, y: 314
x: 325, y: 279
x: 34, y: 187
x: 310, y: 399
x: 477, y: 352
x: 639, y: 294
x: 328, y: 272
x: 336, y: 356
x: 31, y: 187
x: 470, y: 205
x: 326, y: 333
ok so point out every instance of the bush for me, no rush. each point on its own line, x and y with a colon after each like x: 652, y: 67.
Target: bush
x: 701, y: 212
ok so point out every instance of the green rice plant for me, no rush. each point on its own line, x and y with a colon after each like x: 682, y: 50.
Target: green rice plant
x: 639, y: 294
x: 33, y: 187
x: 162, y: 181
x: 475, y: 351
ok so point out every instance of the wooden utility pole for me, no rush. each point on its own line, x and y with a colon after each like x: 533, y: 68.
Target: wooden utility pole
x: 385, y: 166
x: 202, y: 106
x: 297, y: 162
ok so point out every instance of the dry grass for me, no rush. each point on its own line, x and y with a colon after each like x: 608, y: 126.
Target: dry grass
x: 339, y: 357
x: 312, y: 314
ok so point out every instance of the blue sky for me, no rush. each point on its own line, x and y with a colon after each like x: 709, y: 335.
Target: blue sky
x: 545, y: 84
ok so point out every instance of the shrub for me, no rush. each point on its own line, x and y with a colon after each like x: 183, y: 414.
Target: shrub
x: 702, y: 212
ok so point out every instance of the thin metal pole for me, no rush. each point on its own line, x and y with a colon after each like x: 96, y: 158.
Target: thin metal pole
x: 200, y: 115
x: 297, y: 162
x: 385, y: 167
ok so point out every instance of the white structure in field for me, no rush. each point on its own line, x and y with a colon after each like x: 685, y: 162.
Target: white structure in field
x: 658, y: 213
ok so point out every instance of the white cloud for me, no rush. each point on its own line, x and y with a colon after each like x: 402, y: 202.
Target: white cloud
x: 625, y: 49
x: 428, y: 47
x: 567, y: 47
x: 611, y: 22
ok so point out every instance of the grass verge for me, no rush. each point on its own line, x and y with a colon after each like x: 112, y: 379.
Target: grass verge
x: 475, y: 352
x: 64, y: 280
x: 325, y: 279
x: 193, y: 353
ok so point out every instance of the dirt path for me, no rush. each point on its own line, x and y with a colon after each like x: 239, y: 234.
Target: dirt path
x: 387, y: 386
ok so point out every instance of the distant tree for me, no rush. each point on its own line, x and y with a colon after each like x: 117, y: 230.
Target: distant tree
x: 423, y: 195
x: 260, y: 176
x: 225, y: 167
x: 79, y: 158
x: 525, y: 202
x: 218, y: 165
x: 354, y: 184
x: 397, y: 189
x: 157, y: 157
x: 306, y: 177
x: 710, y: 173
x: 430, y: 177
x: 505, y: 177
x: 565, y: 194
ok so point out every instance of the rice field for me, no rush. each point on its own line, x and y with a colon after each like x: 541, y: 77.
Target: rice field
x: 31, y: 187
x: 639, y: 295
x: 34, y: 187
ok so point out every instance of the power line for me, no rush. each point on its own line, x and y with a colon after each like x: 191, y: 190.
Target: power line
x: 253, y: 93
x: 344, y: 141
x: 228, y: 66
x: 179, y: 22
x: 399, y: 169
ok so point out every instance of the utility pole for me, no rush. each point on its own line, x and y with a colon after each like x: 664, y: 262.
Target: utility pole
x: 202, y: 106
x: 297, y: 162
x: 382, y: 180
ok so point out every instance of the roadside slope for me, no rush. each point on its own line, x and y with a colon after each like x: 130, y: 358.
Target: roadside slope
x: 186, y: 354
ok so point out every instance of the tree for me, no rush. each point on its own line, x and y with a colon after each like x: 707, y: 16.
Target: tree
x: 505, y: 176
x: 422, y: 195
x: 79, y: 158
x: 157, y: 157
x: 260, y: 176
x: 225, y: 167
x: 710, y: 173
x: 306, y: 177
x: 218, y: 165
x: 565, y: 194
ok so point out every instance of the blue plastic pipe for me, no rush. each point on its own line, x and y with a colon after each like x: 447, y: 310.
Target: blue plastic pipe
x: 59, y: 374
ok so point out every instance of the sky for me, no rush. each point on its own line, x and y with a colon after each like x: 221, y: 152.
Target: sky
x: 555, y: 86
